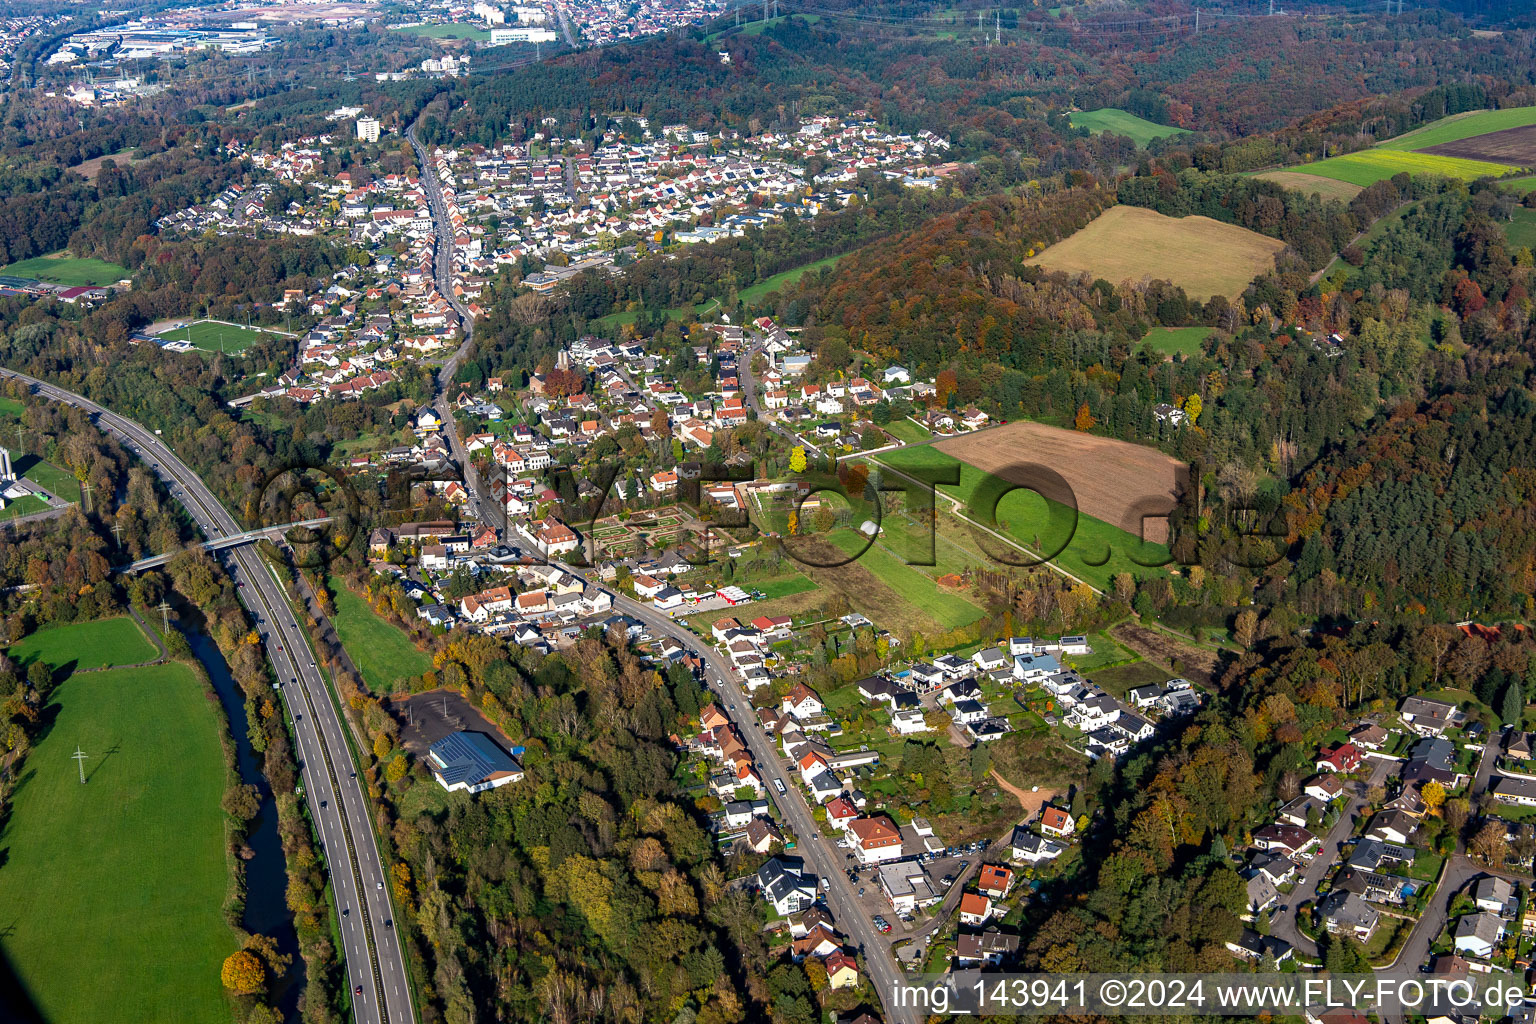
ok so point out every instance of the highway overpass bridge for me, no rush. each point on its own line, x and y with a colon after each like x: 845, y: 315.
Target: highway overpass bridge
x: 219, y: 544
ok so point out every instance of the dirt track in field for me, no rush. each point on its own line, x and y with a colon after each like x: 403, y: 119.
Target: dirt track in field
x: 1514, y: 146
x: 1114, y: 481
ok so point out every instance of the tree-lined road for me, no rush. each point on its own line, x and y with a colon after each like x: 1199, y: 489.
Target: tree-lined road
x: 374, y: 960
x: 824, y: 858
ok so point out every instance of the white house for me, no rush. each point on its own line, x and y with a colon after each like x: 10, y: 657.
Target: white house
x: 1479, y: 934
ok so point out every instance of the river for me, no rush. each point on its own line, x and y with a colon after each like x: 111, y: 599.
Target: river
x: 266, y: 875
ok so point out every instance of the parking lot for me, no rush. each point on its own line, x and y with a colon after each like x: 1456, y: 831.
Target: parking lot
x: 873, y: 901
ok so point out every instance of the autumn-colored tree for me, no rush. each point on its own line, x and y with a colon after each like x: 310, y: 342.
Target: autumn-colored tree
x: 1193, y: 407
x: 1245, y: 627
x: 243, y: 973
x: 1433, y: 795
x: 797, y: 459
x: 1489, y: 845
x: 792, y: 524
x: 1084, y: 421
x: 382, y: 745
x: 944, y: 385
x: 397, y: 768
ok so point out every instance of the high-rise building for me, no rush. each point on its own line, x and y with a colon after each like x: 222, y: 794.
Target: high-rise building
x: 368, y: 129
x: 7, y: 474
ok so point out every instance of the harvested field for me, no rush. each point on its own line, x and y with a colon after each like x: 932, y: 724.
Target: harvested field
x: 1113, y: 481
x: 1203, y: 256
x: 1328, y: 188
x: 1196, y: 664
x: 88, y: 168
x: 1514, y: 146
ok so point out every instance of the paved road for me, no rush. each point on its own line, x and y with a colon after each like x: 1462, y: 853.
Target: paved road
x: 823, y: 857
x: 373, y: 958
x: 1459, y: 870
x: 565, y: 25
x: 486, y: 506
x: 749, y: 390
x: 1327, y: 860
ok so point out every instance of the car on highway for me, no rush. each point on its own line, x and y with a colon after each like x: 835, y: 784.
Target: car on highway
x: 358, y: 991
x: 346, y: 911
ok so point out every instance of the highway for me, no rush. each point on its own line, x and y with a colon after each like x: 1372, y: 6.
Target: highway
x: 374, y: 961
x: 225, y: 542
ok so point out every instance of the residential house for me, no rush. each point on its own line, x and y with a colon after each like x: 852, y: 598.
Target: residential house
x: 784, y: 886
x: 995, y: 881
x: 1250, y: 945
x: 1032, y: 849
x: 1291, y: 840
x: 1428, y: 717
x: 1478, y: 934
x: 1493, y: 894
x: 802, y: 702
x: 975, y: 909
x: 875, y: 839
x: 1392, y: 827
x: 1056, y: 822
x: 1326, y: 788
x: 987, y: 947
x: 1344, y: 758
x: 842, y: 970
x: 1369, y: 737
x: 1345, y: 913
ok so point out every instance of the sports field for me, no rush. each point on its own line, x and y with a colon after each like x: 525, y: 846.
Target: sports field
x: 1372, y: 165
x: 61, y: 483
x: 1122, y: 122
x: 68, y: 271
x: 381, y: 651
x: 1327, y: 188
x: 1203, y: 256
x: 474, y: 32
x: 1522, y: 230
x: 113, y: 890
x: 1173, y: 341
x: 217, y: 336
x: 85, y: 645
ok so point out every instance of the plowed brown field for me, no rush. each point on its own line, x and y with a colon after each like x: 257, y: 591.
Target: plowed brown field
x: 1116, y: 482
